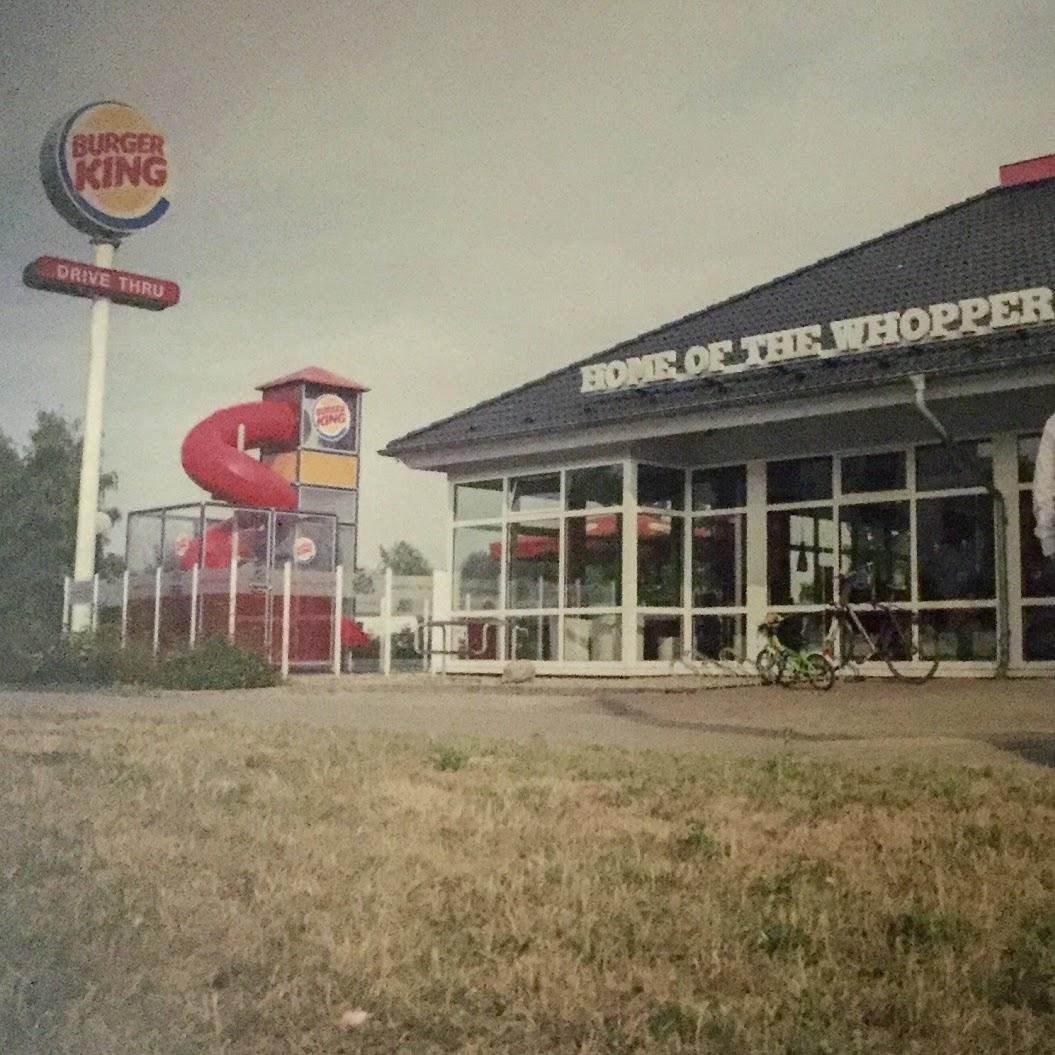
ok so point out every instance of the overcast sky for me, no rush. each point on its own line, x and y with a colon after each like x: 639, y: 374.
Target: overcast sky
x: 446, y: 200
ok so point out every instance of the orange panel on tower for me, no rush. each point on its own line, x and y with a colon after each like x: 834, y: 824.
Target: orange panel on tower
x: 329, y: 470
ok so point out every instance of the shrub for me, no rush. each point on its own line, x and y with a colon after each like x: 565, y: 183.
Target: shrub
x: 696, y: 841
x: 447, y: 758
x: 1026, y: 977
x: 98, y: 660
x: 924, y: 931
x: 217, y: 664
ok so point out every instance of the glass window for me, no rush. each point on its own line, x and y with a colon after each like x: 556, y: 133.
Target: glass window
x: 1027, y: 457
x: 724, y: 488
x: 970, y: 464
x: 477, y: 560
x: 591, y: 637
x: 805, y: 631
x: 600, y: 487
x: 182, y: 548
x: 306, y: 541
x: 955, y: 548
x: 801, y: 558
x: 659, y: 637
x: 719, y: 637
x: 1038, y: 633
x: 873, y: 472
x: 480, y: 640
x: 533, y: 552
x: 799, y: 480
x: 143, y: 547
x: 534, y: 492
x: 659, y: 548
x: 533, y: 638
x: 478, y: 501
x: 594, y: 561
x: 718, y: 561
x: 660, y: 488
x: 343, y: 504
x: 1038, y: 571
x: 346, y: 543
x: 958, y: 634
x: 878, y: 534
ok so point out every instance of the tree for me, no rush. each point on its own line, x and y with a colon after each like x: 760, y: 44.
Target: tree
x: 405, y: 559
x: 38, y: 525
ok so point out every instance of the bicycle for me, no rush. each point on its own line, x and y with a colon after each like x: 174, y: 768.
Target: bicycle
x: 895, y: 642
x: 779, y: 665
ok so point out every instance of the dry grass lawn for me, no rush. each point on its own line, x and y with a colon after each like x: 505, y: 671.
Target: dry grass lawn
x: 172, y: 886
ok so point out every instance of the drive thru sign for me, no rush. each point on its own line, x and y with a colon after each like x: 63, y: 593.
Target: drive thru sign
x: 85, y: 280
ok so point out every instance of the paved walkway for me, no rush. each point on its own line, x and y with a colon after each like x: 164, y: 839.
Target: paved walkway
x: 956, y: 721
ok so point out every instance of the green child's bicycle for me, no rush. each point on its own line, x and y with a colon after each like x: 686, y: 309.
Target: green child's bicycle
x: 779, y: 665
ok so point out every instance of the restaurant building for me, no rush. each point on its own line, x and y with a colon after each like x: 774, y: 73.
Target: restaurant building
x: 644, y: 508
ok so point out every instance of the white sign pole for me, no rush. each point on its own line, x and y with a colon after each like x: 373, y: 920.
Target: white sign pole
x: 88, y: 495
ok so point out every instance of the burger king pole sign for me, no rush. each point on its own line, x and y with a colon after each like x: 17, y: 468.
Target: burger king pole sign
x: 105, y: 169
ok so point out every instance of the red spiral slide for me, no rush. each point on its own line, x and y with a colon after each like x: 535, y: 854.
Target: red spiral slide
x: 212, y: 459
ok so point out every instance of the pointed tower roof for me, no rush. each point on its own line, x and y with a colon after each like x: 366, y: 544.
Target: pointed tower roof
x: 314, y: 375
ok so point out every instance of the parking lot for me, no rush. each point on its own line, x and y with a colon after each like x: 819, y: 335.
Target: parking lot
x: 958, y: 721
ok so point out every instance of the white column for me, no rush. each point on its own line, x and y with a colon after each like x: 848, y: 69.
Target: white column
x: 442, y: 585
x: 757, y: 592
x: 124, y: 608
x: 1005, y: 479
x: 688, y: 639
x: 287, y: 592
x: 65, y: 604
x: 95, y: 603
x: 88, y: 492
x: 426, y: 618
x: 338, y: 612
x: 629, y: 627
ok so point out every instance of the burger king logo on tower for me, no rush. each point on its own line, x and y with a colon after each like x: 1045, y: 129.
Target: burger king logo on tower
x: 105, y: 169
x: 331, y: 417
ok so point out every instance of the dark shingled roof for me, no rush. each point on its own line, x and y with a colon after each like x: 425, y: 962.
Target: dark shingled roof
x: 1003, y: 239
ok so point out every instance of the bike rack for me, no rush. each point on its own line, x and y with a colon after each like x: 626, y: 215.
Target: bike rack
x: 424, y: 632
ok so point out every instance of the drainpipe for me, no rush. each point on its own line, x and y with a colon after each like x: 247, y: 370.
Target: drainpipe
x: 1003, y: 643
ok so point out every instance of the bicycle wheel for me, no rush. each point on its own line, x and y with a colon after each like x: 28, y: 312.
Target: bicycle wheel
x: 790, y: 670
x: 767, y: 663
x: 899, y: 649
x: 820, y: 672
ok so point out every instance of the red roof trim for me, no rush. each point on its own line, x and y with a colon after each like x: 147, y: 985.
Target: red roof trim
x: 1029, y: 171
x: 314, y: 375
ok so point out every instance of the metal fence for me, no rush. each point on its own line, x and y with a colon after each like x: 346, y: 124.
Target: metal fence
x: 296, y: 617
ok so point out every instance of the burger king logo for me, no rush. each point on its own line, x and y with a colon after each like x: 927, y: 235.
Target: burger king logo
x: 304, y: 550
x: 105, y: 169
x: 331, y: 417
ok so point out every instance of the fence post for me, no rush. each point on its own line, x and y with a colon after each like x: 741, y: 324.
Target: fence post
x: 441, y: 612
x: 157, y: 610
x: 192, y: 636
x: 95, y: 603
x: 338, y: 612
x: 232, y: 587
x: 124, y: 608
x: 287, y: 590
x: 426, y: 635
x: 386, y: 625
x: 65, y: 604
